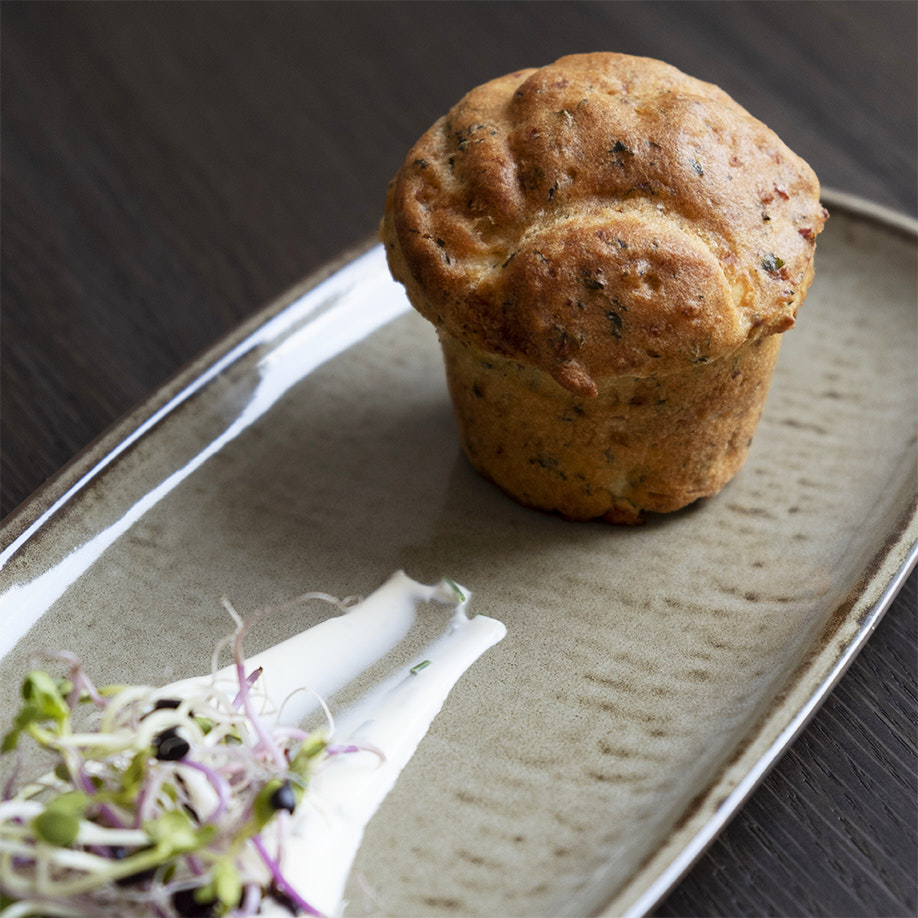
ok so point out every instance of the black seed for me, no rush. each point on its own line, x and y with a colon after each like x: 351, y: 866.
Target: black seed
x: 163, y: 704
x: 168, y: 746
x: 283, y: 798
x: 185, y: 904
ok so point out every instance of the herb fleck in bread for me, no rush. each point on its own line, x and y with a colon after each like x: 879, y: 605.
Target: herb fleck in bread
x: 609, y: 250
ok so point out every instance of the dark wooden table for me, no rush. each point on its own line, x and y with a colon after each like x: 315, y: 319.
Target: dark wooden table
x: 169, y: 167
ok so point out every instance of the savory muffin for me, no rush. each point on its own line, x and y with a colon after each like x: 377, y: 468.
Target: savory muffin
x: 609, y: 250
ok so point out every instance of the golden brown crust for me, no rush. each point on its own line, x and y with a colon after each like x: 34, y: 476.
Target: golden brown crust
x: 603, y: 216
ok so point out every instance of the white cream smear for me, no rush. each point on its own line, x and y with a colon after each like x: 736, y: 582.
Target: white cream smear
x: 387, y: 723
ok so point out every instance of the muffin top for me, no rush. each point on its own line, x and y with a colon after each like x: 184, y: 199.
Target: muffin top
x: 604, y: 215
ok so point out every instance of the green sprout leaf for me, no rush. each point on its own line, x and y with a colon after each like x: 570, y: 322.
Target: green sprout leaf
x: 132, y: 776
x: 174, y: 833
x: 72, y: 802
x: 227, y: 886
x: 310, y: 749
x: 59, y: 829
x: 44, y: 698
x: 47, y: 694
x: 59, y: 823
x: 263, y: 809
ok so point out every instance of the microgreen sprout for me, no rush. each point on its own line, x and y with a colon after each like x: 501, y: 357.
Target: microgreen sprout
x: 167, y: 804
x: 455, y: 588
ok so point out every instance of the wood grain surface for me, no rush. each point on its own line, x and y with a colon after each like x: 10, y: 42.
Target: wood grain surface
x: 167, y: 168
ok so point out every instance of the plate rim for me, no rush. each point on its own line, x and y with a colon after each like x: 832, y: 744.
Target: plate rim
x: 640, y: 893
x: 642, y: 901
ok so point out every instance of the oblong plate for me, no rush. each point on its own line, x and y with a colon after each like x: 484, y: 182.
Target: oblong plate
x: 650, y: 676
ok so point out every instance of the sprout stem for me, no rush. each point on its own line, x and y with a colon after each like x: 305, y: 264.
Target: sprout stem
x: 282, y: 883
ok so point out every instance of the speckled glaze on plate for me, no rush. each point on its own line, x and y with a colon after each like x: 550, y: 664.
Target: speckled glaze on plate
x: 649, y: 677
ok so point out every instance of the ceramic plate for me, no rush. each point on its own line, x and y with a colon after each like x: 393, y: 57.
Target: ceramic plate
x: 649, y: 676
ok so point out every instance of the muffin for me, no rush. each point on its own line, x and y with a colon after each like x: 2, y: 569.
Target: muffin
x: 609, y: 250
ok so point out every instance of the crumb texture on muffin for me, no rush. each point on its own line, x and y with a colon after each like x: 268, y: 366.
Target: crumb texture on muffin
x: 603, y: 216
x: 643, y: 444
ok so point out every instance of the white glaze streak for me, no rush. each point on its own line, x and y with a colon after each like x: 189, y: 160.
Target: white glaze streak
x: 346, y: 793
x: 391, y: 719
x: 327, y: 657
